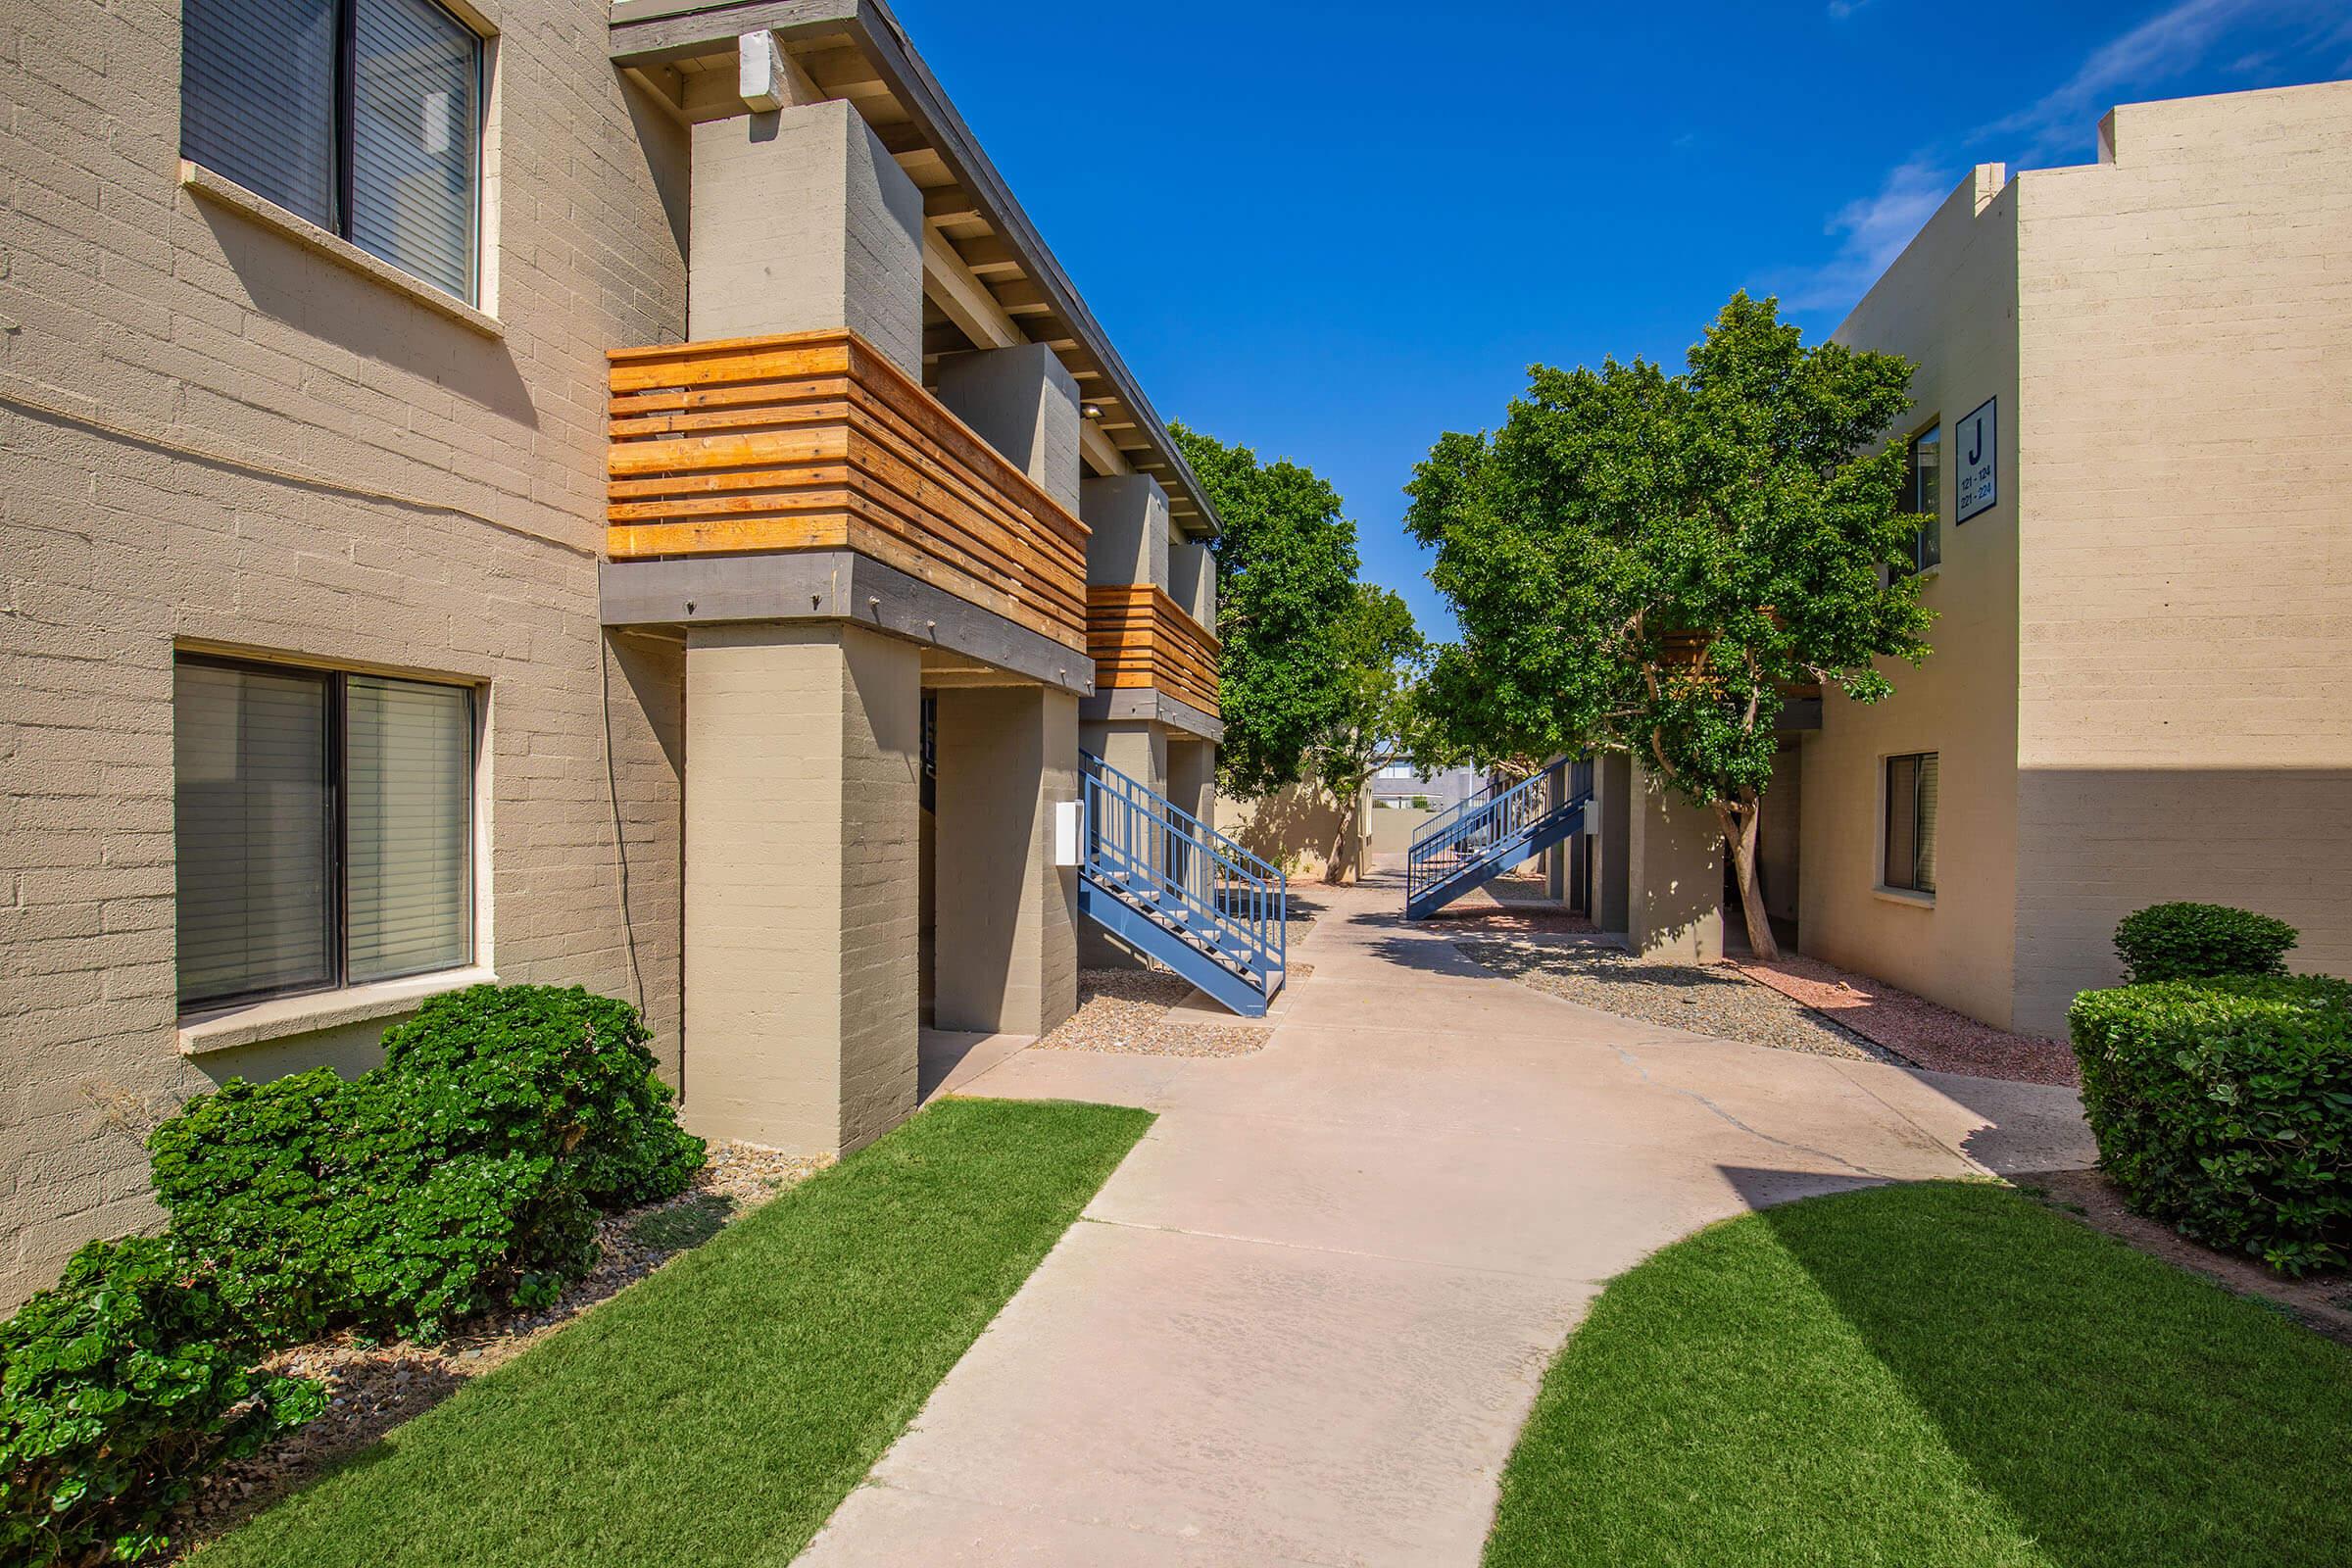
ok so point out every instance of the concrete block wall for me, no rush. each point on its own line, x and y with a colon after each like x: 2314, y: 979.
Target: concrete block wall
x: 1949, y: 304
x: 802, y: 892
x: 1193, y: 581
x: 1127, y: 515
x: 209, y: 432
x: 2185, y: 726
x: 802, y: 222
x: 1022, y: 401
x: 1674, y: 870
x: 1007, y: 950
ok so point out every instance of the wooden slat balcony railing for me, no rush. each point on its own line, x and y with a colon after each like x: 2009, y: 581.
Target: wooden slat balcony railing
x: 815, y: 440
x: 1140, y: 636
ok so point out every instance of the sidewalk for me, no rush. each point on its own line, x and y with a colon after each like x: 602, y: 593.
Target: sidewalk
x: 1303, y: 1321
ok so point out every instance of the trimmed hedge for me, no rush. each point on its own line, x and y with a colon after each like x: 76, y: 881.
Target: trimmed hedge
x: 2225, y: 1109
x: 2201, y: 940
x: 466, y: 1170
x: 121, y: 1386
x: 463, y: 1172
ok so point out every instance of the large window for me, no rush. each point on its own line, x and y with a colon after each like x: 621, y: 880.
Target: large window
x: 324, y: 828
x: 1923, y: 493
x: 362, y: 116
x: 1911, y: 823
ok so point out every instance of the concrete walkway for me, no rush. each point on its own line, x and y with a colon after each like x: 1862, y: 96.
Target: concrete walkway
x: 1303, y: 1321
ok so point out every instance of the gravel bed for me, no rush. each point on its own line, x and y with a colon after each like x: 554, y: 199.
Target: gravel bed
x: 1933, y: 1036
x: 374, y: 1388
x: 1509, y: 905
x: 1126, y: 1011
x: 1708, y: 999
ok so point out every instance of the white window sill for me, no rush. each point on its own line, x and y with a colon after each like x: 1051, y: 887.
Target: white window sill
x: 220, y: 188
x: 282, y: 1016
x: 1917, y: 901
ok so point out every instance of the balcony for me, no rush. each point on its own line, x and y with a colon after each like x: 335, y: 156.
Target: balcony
x: 815, y: 441
x: 1141, y: 637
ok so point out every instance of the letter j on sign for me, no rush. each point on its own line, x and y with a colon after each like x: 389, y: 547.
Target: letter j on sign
x: 1974, y: 444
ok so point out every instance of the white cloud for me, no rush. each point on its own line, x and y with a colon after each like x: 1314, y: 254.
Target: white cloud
x: 2058, y: 127
x: 2172, y: 41
x: 1874, y: 231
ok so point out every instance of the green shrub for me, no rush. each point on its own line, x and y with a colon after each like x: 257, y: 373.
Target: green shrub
x: 463, y: 1172
x: 2201, y: 940
x: 573, y: 1067
x: 2225, y: 1109
x: 119, y: 1386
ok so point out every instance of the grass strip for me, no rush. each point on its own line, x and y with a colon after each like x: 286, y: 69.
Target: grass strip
x: 718, y: 1411
x: 1929, y: 1375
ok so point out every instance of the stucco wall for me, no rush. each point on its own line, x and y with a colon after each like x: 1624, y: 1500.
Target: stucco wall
x: 1948, y: 304
x: 2186, y: 588
x: 210, y: 433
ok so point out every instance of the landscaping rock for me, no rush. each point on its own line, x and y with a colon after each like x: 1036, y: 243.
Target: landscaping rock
x: 1704, y: 999
x: 1127, y: 1011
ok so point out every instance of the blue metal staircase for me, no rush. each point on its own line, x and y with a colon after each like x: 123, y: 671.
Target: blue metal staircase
x: 1172, y: 887
x: 1484, y: 836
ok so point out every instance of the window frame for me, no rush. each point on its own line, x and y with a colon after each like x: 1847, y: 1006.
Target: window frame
x: 335, y: 680
x: 1909, y: 889
x: 1932, y: 431
x: 343, y: 132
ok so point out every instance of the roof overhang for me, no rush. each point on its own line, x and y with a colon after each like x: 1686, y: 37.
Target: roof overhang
x: 855, y: 50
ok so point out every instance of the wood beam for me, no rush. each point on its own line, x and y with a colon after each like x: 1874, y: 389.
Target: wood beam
x: 1100, y: 454
x: 962, y: 297
x: 948, y: 203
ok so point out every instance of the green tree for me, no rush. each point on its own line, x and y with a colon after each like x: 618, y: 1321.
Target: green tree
x: 1378, y: 656
x: 1645, y: 563
x: 1286, y: 576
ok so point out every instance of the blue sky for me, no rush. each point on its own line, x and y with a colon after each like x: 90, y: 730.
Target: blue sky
x: 1331, y: 233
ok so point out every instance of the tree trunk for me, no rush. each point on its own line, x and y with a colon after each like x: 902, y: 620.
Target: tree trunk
x: 1348, y: 844
x: 1740, y: 820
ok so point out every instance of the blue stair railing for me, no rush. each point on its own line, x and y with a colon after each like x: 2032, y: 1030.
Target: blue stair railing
x: 1169, y: 885
x: 1488, y: 834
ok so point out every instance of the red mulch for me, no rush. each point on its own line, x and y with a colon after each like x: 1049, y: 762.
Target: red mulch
x: 1934, y: 1037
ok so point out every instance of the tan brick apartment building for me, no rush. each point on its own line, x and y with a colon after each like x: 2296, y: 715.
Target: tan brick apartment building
x: 2140, y: 689
x: 528, y: 488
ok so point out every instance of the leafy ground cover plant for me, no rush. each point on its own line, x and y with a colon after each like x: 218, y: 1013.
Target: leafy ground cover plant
x: 119, y: 1386
x: 2199, y: 941
x: 2224, y: 1108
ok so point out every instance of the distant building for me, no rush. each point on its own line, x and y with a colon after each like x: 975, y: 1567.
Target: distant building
x: 2130, y: 423
x: 1401, y: 785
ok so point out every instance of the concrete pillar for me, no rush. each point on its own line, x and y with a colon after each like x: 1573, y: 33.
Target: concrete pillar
x: 1674, y: 859
x: 1193, y: 581
x: 803, y: 743
x: 1008, y: 949
x: 1613, y: 804
x: 1128, y: 515
x: 1138, y: 749
x: 1023, y: 402
x: 802, y: 221
x: 1555, y: 859
x: 1193, y: 785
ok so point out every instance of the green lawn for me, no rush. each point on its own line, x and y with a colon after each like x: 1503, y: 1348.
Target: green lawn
x: 719, y: 1410
x: 1929, y: 1375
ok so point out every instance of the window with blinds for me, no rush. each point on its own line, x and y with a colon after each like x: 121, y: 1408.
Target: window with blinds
x: 362, y: 116
x: 324, y: 827
x: 1911, y: 788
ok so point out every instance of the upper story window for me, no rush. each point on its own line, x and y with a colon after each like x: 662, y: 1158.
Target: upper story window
x: 362, y: 116
x: 1923, y: 493
x: 324, y: 824
x: 1911, y: 790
